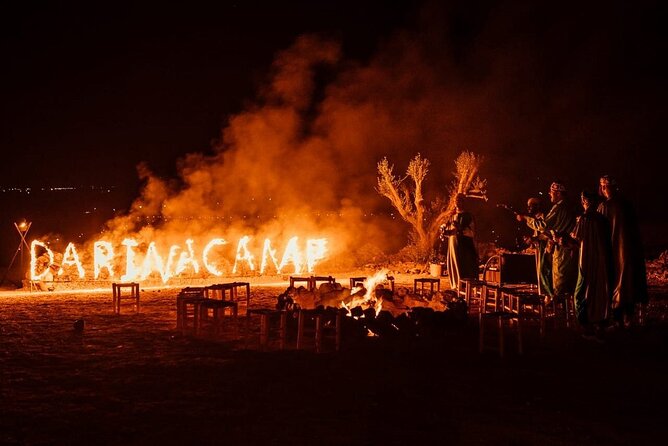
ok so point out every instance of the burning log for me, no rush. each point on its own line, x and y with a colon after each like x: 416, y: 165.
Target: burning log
x: 382, y: 325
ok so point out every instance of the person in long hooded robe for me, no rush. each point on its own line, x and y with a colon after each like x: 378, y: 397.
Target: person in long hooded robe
x: 462, y: 259
x: 628, y: 260
x: 558, y: 223
x: 593, y: 289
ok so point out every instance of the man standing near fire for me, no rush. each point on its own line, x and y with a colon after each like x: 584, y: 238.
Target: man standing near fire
x: 462, y: 260
x: 629, y: 280
x: 539, y: 242
x: 557, y: 224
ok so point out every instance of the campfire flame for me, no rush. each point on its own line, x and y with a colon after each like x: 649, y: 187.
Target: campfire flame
x: 369, y: 298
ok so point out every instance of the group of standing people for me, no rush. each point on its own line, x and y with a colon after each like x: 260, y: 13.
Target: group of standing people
x: 597, y: 257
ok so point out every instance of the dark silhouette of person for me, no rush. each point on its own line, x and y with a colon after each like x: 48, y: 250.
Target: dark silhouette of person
x: 593, y: 289
x: 628, y: 259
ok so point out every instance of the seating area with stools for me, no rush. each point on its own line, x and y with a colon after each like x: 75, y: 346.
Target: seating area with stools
x: 509, y: 297
x: 117, y: 293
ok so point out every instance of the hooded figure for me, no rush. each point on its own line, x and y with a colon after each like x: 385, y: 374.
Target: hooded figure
x: 628, y: 260
x: 592, y: 292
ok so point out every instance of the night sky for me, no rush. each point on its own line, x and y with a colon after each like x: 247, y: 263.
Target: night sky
x: 111, y: 86
x: 557, y: 90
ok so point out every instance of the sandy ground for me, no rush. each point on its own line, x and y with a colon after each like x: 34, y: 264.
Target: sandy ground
x: 134, y: 379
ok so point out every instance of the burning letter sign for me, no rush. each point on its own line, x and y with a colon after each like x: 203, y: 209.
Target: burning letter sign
x: 179, y: 260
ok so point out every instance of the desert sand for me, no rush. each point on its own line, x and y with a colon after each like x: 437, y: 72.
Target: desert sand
x: 133, y: 379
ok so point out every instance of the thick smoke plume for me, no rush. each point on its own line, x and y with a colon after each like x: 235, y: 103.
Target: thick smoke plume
x: 301, y: 159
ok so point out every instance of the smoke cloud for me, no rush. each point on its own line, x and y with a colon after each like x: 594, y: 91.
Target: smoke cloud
x: 527, y: 87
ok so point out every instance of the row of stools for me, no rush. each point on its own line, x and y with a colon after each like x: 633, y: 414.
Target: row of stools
x: 203, y: 308
x: 511, y: 307
x: 311, y: 281
x: 315, y: 328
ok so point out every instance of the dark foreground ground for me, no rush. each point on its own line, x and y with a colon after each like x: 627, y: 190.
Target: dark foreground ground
x: 134, y: 380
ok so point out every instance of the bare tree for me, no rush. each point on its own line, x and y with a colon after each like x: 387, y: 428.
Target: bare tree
x: 406, y: 196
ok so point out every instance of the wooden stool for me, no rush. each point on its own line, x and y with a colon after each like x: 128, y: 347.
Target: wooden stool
x: 500, y: 318
x: 218, y: 309
x: 117, y: 295
x: 229, y: 292
x: 266, y: 329
x: 490, y: 298
x: 294, y: 280
x: 565, y: 303
x: 359, y: 281
x: 528, y: 306
x: 186, y: 301
x: 430, y: 280
x: 471, y: 291
x: 324, y: 279
x: 320, y: 317
x: 356, y: 281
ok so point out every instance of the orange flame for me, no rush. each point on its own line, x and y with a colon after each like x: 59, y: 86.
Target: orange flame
x: 243, y: 254
x: 369, y: 298
x: 103, y: 254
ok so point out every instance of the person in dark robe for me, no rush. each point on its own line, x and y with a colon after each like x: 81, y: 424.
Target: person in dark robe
x: 628, y: 259
x: 539, y: 244
x: 593, y: 292
x: 558, y: 222
x: 462, y: 259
